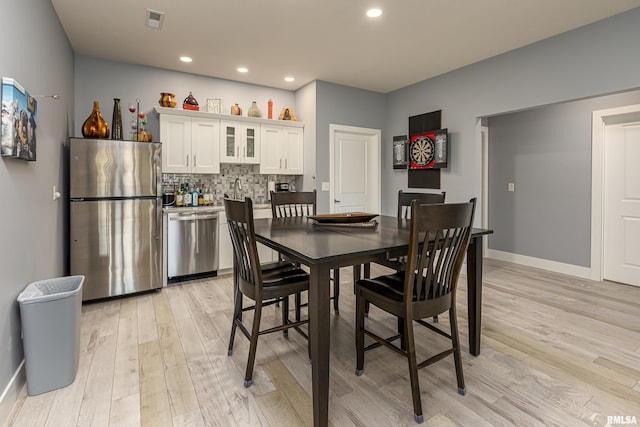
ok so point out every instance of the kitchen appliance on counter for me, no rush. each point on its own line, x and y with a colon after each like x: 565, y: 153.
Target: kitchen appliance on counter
x: 115, y: 213
x: 192, y: 244
x: 282, y: 186
x: 168, y: 199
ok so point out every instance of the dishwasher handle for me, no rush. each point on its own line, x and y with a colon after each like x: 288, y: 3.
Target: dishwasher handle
x: 193, y: 217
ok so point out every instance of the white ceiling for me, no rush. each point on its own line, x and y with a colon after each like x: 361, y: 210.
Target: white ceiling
x: 330, y: 40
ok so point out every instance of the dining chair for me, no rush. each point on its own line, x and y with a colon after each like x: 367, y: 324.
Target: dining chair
x: 262, y: 284
x: 297, y: 204
x: 439, y: 237
x: 404, y: 211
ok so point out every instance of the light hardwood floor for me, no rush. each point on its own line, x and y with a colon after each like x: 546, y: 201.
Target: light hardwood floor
x: 556, y: 351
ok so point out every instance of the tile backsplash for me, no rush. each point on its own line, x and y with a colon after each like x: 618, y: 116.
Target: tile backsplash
x: 254, y: 185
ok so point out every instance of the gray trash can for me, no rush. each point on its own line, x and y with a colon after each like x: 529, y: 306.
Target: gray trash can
x: 50, y: 314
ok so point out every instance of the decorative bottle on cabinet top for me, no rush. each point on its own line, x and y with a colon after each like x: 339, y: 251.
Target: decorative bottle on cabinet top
x: 254, y: 111
x: 116, y: 123
x: 95, y: 126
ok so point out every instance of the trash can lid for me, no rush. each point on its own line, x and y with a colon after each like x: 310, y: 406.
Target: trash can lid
x: 51, y: 289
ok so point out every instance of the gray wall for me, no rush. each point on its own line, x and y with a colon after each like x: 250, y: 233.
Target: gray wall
x: 36, y: 53
x: 598, y: 59
x: 546, y: 153
x: 103, y: 80
x: 342, y: 105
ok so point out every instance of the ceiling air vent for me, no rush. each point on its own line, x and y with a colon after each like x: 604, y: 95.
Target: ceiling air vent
x: 155, y: 19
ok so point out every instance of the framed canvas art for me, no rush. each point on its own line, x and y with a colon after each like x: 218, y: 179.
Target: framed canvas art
x: 19, y: 121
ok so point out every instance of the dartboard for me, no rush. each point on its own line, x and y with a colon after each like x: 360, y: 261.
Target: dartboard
x: 422, y: 150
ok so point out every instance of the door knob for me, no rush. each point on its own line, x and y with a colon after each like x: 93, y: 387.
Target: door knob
x: 336, y: 201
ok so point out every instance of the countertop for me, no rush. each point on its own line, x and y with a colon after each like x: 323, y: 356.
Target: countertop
x: 214, y: 208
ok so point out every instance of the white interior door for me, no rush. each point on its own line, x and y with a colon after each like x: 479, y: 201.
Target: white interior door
x: 621, y: 245
x: 355, y: 169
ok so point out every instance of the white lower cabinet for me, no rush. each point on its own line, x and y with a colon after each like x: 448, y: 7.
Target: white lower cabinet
x: 226, y: 249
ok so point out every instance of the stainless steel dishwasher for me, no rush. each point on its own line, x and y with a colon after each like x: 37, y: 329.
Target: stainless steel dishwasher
x: 192, y: 244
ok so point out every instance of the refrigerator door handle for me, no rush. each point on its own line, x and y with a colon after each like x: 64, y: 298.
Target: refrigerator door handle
x: 159, y: 220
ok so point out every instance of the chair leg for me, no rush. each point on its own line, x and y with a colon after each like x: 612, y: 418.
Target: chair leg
x: 413, y: 372
x: 237, y: 310
x: 253, y: 345
x: 285, y: 315
x: 336, y: 289
x: 455, y: 341
x: 360, y: 304
x: 403, y: 342
x: 357, y: 274
x: 298, y: 302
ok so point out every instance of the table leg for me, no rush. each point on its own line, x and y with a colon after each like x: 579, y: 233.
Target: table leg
x: 474, y: 293
x: 319, y: 302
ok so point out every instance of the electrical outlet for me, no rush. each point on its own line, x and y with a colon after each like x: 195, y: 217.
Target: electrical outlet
x: 511, y: 186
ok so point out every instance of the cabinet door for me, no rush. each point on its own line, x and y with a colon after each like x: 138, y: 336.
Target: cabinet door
x: 240, y: 143
x: 225, y: 260
x: 175, y: 134
x: 270, y: 156
x: 265, y: 253
x: 229, y: 140
x: 251, y: 152
x: 205, y: 145
x: 292, y: 147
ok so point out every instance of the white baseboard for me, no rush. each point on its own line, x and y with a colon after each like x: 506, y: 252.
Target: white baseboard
x: 544, y: 264
x: 11, y: 393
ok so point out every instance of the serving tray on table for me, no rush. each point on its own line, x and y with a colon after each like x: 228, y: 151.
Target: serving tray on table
x: 355, y: 220
x: 342, y: 218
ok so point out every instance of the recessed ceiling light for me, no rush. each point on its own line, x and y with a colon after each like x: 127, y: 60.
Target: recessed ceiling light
x: 185, y: 59
x: 243, y: 70
x: 289, y: 79
x: 374, y: 13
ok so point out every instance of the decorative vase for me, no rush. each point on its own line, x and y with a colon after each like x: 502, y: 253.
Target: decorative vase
x: 95, y: 126
x: 236, y: 110
x: 167, y: 99
x: 254, y: 111
x: 190, y: 103
x: 116, y: 122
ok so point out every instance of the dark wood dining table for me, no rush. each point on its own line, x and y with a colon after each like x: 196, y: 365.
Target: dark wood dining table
x: 323, y: 248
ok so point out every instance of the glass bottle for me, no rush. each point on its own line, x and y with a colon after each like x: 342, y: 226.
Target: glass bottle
x: 270, y: 109
x: 187, y: 195
x: 253, y: 111
x: 116, y: 123
x: 95, y: 126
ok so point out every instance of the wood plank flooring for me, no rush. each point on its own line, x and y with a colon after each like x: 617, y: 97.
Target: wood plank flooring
x: 556, y: 351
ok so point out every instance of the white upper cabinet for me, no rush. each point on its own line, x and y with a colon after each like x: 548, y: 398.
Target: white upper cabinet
x: 282, y: 150
x: 240, y: 142
x: 198, y: 142
x: 189, y: 144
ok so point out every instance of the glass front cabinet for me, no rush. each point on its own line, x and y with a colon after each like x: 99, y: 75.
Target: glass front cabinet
x: 239, y: 143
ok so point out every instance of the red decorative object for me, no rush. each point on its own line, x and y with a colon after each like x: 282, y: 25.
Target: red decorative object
x: 190, y: 103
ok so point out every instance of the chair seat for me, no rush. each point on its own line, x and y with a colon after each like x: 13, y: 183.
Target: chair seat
x: 280, y: 279
x: 390, y: 286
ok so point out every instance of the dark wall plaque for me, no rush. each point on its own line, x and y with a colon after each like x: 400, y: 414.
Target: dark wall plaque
x: 424, y: 178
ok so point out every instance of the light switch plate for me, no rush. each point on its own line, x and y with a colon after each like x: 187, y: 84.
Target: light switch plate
x: 325, y: 186
x: 511, y: 186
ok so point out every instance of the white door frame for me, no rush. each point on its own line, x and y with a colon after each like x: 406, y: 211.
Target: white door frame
x: 484, y: 199
x: 377, y: 151
x: 599, y: 119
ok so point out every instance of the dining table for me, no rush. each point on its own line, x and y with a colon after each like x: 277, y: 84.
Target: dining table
x: 323, y: 247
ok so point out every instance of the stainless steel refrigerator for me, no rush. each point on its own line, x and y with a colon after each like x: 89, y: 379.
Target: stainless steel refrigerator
x: 115, y: 213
